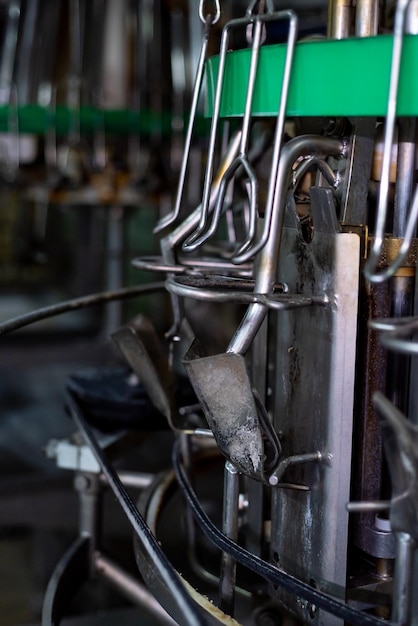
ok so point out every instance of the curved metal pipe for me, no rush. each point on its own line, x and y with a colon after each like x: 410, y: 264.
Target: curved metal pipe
x: 266, y: 275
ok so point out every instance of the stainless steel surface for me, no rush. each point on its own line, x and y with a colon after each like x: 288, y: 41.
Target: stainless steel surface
x: 266, y: 275
x: 311, y: 399
x: 208, y: 20
x: 307, y: 361
x: 367, y: 18
x: 230, y: 528
x: 340, y: 14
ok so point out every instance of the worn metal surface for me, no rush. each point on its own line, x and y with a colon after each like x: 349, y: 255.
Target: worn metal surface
x: 313, y: 411
x: 223, y: 387
x: 141, y: 347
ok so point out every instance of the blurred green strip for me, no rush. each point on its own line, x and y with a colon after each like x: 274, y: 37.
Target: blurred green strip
x: 35, y: 119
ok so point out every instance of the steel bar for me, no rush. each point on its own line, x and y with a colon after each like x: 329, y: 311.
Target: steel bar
x: 367, y: 14
x: 230, y: 528
x: 403, y: 579
x: 131, y: 588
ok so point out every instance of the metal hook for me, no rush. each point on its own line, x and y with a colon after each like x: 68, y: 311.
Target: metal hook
x: 201, y: 234
x: 268, y: 4
x: 245, y: 256
x: 203, y: 15
x: 370, y: 268
x: 200, y: 71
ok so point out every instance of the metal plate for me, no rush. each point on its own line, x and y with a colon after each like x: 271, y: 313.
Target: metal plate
x: 313, y: 409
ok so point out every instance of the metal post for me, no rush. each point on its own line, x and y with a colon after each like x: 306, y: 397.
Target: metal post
x: 367, y: 14
x: 230, y: 528
x: 403, y: 589
x: 131, y: 588
x: 339, y: 19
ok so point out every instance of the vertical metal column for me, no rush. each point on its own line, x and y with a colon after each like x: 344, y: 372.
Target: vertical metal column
x: 230, y: 528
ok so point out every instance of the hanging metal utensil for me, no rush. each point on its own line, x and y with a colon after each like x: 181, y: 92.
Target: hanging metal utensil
x: 203, y: 232
x: 208, y: 20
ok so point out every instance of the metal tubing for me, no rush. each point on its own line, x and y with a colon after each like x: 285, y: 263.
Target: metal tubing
x: 137, y: 480
x: 403, y: 579
x: 296, y: 459
x: 131, y: 588
x: 230, y: 529
x: 367, y: 14
x: 405, y: 174
x: 339, y: 19
x: 266, y: 275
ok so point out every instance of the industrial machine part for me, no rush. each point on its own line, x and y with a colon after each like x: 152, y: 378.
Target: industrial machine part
x: 305, y: 230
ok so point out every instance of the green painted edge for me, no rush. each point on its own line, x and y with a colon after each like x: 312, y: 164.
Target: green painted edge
x: 349, y: 78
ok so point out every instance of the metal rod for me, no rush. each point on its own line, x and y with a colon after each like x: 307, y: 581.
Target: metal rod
x: 230, y: 528
x: 277, y: 145
x: 131, y: 588
x: 137, y: 480
x: 367, y: 18
x: 403, y: 579
x: 339, y: 19
x: 208, y: 21
x: 367, y: 507
x: 405, y: 174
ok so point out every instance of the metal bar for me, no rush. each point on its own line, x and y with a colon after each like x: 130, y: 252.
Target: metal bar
x: 402, y: 585
x: 367, y: 14
x: 137, y: 480
x: 131, y: 588
x: 230, y: 528
x: 341, y: 19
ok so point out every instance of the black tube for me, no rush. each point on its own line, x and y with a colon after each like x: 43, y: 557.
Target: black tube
x: 165, y: 571
x: 266, y: 570
x: 78, y: 303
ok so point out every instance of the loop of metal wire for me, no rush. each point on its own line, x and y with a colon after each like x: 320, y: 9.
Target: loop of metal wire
x: 205, y: 15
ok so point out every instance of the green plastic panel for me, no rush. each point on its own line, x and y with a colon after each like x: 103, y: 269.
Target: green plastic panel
x: 349, y: 77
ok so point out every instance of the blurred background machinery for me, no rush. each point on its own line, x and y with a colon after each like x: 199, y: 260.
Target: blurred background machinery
x: 208, y: 312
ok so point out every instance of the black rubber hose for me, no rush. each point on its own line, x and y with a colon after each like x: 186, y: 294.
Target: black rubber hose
x: 266, y: 570
x: 163, y: 568
x: 78, y: 303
